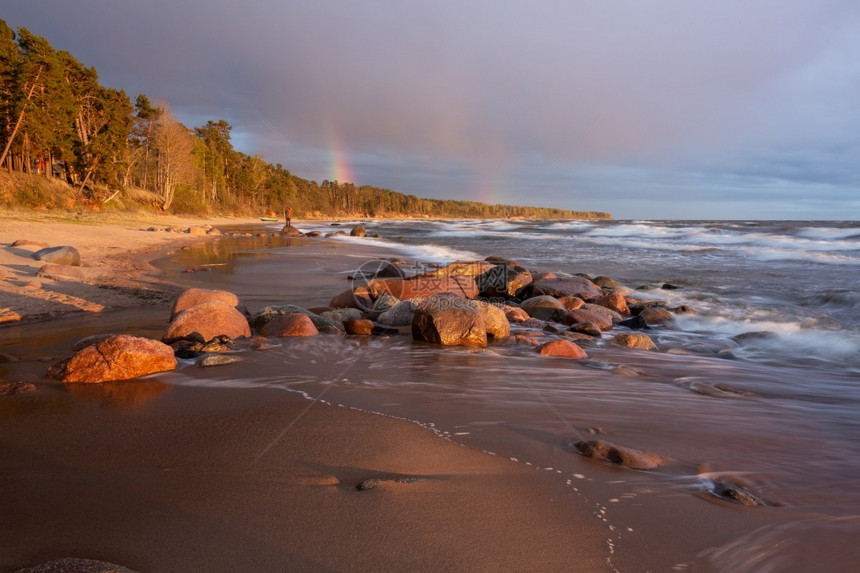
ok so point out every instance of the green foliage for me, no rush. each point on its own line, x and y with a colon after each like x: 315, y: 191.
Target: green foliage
x: 98, y: 141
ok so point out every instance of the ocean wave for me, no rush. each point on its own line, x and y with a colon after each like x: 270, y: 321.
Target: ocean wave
x: 425, y: 253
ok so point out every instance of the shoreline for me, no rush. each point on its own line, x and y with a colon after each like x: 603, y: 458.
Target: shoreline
x: 156, y: 476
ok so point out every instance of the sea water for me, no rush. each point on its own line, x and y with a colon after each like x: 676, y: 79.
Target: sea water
x: 776, y: 412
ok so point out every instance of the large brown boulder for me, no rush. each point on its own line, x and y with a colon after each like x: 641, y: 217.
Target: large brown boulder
x: 614, y: 301
x: 635, y: 340
x: 206, y: 321
x: 583, y: 315
x: 449, y: 321
x: 290, y: 231
x: 496, y: 322
x: 287, y: 325
x: 559, y: 287
x: 471, y: 269
x: 657, y: 315
x: 194, y: 296
x: 120, y: 357
x: 424, y: 286
x: 543, y: 307
x: 562, y: 349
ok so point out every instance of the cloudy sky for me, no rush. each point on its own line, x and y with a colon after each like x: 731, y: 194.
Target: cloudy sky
x: 660, y: 109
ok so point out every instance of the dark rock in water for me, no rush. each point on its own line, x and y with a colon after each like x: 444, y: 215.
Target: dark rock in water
x: 359, y: 298
x: 378, y: 269
x: 543, y: 307
x: 400, y: 314
x: 358, y: 231
x: 657, y: 315
x: 12, y: 388
x: 210, y: 360
x: 314, y: 234
x: 572, y: 286
x: 120, y: 357
x: 290, y: 231
x: 379, y: 330
x: 755, y: 336
x: 290, y: 324
x: 605, y: 282
x: 374, y: 483
x: 736, y: 494
x: 446, y: 321
x: 503, y: 279
x: 64, y: 255
x: 683, y: 309
x: 627, y: 457
x: 635, y: 323
x: 669, y: 286
x: 268, y: 313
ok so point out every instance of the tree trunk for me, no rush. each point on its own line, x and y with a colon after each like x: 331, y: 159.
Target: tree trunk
x: 20, y: 118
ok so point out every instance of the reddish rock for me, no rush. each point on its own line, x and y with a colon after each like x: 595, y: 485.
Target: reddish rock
x: 656, y: 315
x: 495, y: 321
x: 562, y: 349
x: 12, y: 388
x: 471, y: 269
x: 358, y: 298
x: 425, y: 286
x: 195, y: 296
x: 120, y: 357
x: 515, y: 314
x: 602, y: 310
x: 527, y: 340
x: 543, y: 276
x: 449, y: 322
x: 197, y: 230
x: 572, y: 286
x: 571, y: 302
x: 582, y: 315
x: 635, y: 340
x: 543, y: 307
x: 614, y: 301
x: 503, y: 280
x: 292, y: 324
x: 206, y: 321
x: 359, y: 326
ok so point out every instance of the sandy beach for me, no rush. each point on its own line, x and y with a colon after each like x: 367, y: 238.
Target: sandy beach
x: 157, y: 477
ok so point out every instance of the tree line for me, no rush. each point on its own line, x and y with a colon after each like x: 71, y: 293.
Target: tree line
x: 58, y: 122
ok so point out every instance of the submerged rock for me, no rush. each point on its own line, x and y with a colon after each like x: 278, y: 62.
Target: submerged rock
x: 635, y: 340
x: 292, y: 324
x: 561, y: 349
x: 624, y: 456
x: 571, y: 286
x: 543, y: 307
x: 209, y: 360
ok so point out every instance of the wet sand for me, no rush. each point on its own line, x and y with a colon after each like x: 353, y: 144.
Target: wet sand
x: 158, y: 475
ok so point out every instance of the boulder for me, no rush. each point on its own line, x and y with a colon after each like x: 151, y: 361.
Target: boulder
x: 291, y: 324
x: 194, y: 296
x: 209, y: 360
x: 571, y: 302
x: 543, y: 276
x: 354, y: 298
x: 582, y: 315
x: 471, y: 269
x: 449, y: 321
x: 516, y: 314
x: 614, y: 301
x: 657, y: 315
x: 627, y: 457
x: 400, y: 314
x: 602, y: 310
x: 605, y: 282
x: 342, y: 314
x: 635, y: 323
x: 495, y: 321
x: 358, y: 327
x: 543, y: 307
x: 634, y: 340
x: 378, y: 269
x: 587, y: 328
x: 423, y: 286
x: 290, y: 231
x: 206, y: 321
x: 503, y: 280
x: 358, y: 231
x: 559, y: 287
x: 64, y: 255
x: 197, y: 230
x: 120, y: 357
x: 562, y: 349
x: 268, y: 313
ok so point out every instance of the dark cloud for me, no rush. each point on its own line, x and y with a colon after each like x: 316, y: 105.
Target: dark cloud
x: 563, y: 103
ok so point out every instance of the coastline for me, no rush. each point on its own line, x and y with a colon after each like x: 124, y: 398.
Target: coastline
x: 160, y: 477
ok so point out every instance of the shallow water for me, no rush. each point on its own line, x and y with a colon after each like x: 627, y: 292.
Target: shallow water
x: 778, y: 415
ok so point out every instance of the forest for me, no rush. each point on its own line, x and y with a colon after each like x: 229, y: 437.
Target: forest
x: 69, y: 142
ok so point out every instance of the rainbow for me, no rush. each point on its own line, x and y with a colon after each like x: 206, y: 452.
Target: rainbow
x: 339, y: 169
